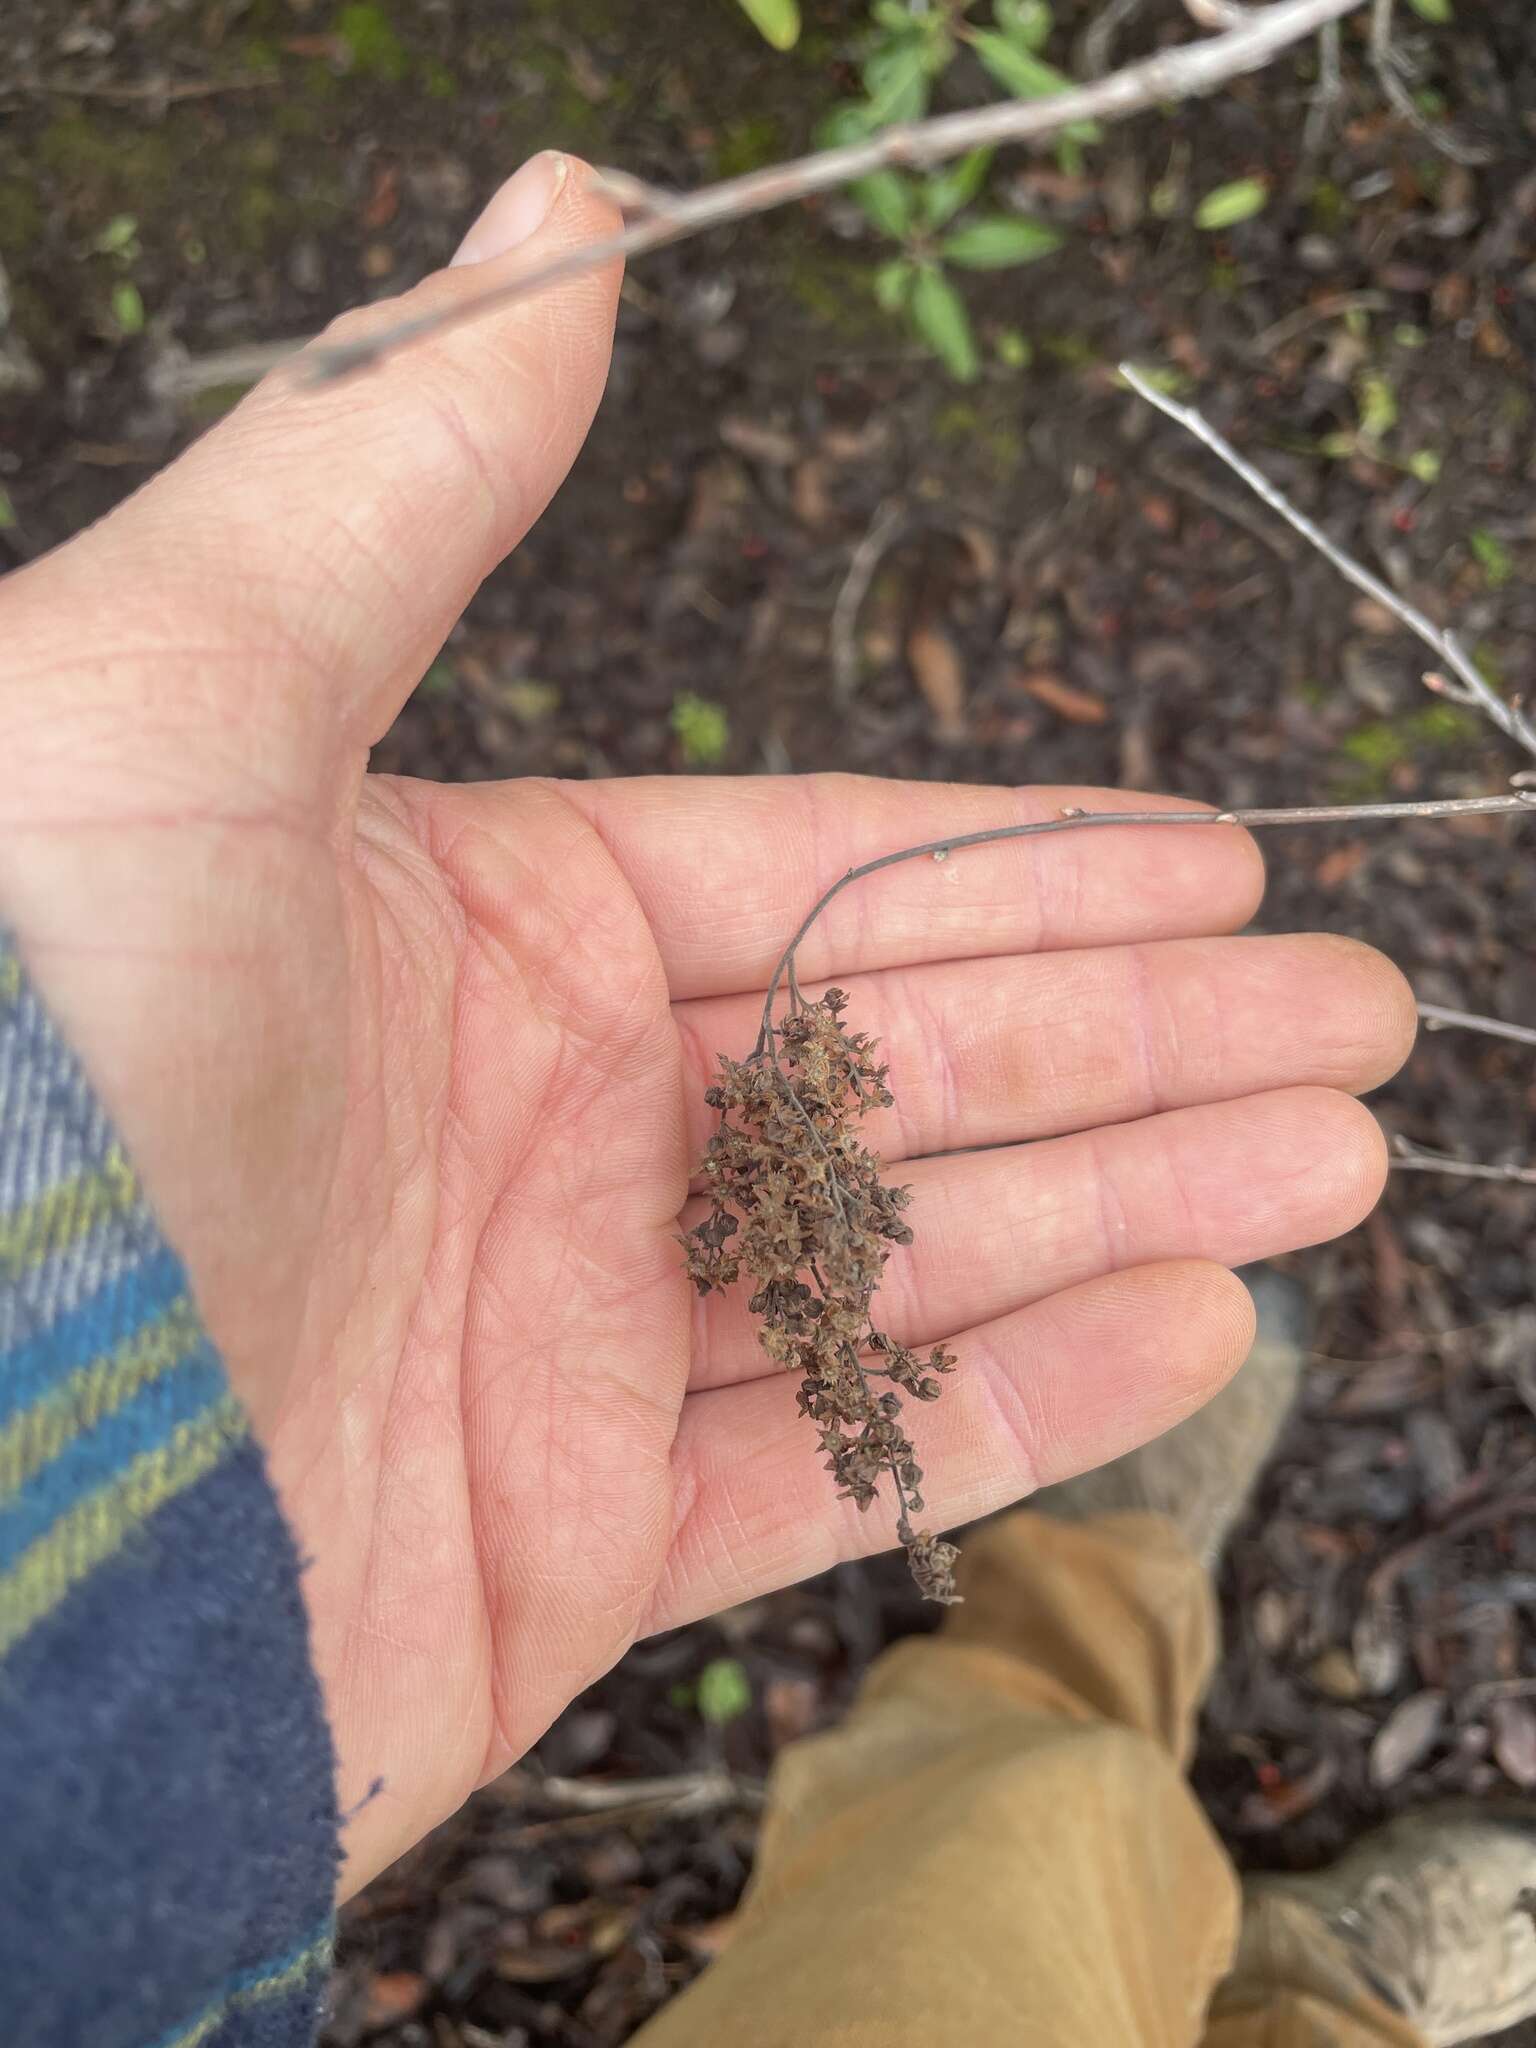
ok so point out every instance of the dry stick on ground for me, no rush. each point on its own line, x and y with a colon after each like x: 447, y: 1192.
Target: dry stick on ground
x: 665, y: 217
x: 689, y: 1792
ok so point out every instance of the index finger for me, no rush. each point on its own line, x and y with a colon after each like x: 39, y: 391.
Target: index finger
x: 725, y: 869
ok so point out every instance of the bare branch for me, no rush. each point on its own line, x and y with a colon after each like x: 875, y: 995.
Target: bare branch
x: 1438, y: 1018
x: 1169, y: 76
x: 1075, y: 820
x: 1470, y: 687
x: 1411, y: 1158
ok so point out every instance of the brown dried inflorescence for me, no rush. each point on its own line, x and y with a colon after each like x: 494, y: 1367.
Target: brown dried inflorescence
x: 799, y: 1206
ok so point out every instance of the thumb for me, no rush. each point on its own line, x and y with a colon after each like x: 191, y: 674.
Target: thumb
x: 296, y: 570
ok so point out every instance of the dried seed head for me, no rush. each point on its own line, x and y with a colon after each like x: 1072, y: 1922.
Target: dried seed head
x: 799, y: 1206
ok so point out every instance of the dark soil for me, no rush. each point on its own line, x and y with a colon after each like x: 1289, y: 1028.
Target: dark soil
x: 1105, y: 605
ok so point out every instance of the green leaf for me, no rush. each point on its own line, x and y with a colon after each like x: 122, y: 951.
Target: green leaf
x: 939, y: 315
x: 1378, y: 407
x: 893, y: 284
x: 127, y: 308
x: 1492, y: 557
x: 1027, y: 76
x: 724, y: 1691
x: 998, y: 241
x: 776, y: 21
x: 7, y: 511
x: 529, y: 700
x: 945, y: 192
x: 371, y: 44
x: 886, y: 197
x: 851, y: 122
x: 1025, y: 22
x: 118, y: 237
x: 1424, y: 465
x: 896, y: 79
x: 1229, y: 204
x: 703, y: 730
x: 1437, y: 11
x: 1015, y: 351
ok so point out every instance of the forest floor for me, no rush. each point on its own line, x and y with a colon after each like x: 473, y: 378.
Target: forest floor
x: 1062, y: 589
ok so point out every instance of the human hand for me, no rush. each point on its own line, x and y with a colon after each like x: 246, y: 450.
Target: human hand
x: 414, y: 1074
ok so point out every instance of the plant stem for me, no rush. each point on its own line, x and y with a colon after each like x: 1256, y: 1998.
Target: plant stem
x: 1070, y: 821
x: 1471, y: 686
x: 663, y: 217
x: 1439, y: 1018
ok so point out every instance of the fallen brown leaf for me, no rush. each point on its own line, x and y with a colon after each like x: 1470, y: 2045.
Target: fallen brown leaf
x: 383, y: 197
x: 393, y: 1995
x: 940, y: 674
x: 759, y: 440
x: 789, y: 1705
x: 1077, y: 706
x: 808, y: 492
x: 1336, y: 868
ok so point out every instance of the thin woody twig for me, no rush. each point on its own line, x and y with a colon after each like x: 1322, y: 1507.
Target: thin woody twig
x: 178, y: 375
x: 1330, y: 90
x: 1334, y: 307
x: 1410, y: 1158
x: 1438, y: 1018
x: 1073, y: 820
x: 1169, y: 76
x: 1470, y: 686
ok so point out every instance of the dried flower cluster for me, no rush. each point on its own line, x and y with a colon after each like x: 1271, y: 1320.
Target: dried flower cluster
x: 799, y: 1206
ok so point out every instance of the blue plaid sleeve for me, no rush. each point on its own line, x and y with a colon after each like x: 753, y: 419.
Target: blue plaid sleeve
x: 168, y: 1823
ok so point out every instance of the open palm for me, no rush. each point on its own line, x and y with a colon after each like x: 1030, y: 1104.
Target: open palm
x: 415, y: 1073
